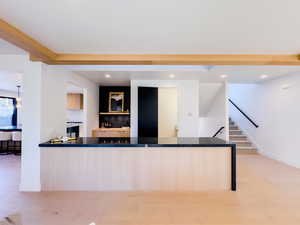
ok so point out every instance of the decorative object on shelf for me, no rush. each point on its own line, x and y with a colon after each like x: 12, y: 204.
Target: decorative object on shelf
x: 19, y: 99
x: 114, y: 113
x: 62, y: 139
x: 106, y: 125
x: 116, y: 101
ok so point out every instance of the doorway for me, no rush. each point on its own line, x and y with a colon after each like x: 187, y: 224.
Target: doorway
x: 157, y: 112
x: 167, y: 112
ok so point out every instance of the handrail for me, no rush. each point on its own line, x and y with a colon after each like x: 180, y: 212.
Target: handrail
x: 241, y: 111
x: 219, y: 131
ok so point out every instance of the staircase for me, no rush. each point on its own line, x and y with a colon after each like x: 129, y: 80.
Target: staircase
x: 243, y: 145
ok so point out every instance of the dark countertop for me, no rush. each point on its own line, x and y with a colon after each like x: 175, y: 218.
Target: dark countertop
x: 10, y: 128
x: 142, y: 142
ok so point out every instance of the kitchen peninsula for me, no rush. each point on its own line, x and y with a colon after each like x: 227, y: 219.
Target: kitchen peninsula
x: 139, y: 164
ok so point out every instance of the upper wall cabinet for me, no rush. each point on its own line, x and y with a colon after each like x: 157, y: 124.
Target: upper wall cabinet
x: 74, y: 101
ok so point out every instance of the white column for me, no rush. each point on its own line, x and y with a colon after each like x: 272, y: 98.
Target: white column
x: 31, y: 127
x: 44, y: 117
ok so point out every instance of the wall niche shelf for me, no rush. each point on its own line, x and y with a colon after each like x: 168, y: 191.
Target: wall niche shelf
x: 114, y: 119
x: 114, y: 113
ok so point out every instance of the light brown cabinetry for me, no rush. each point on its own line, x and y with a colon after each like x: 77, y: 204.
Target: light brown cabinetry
x: 111, y: 132
x: 74, y: 101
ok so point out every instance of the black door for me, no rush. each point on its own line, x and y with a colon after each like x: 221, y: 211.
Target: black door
x: 147, y: 112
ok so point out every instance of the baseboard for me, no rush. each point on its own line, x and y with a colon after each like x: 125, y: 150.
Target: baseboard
x: 271, y: 156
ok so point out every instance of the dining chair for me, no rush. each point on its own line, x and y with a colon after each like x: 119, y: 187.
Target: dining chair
x: 5, y: 138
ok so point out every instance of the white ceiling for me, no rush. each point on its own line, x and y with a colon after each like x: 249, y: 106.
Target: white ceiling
x: 235, y: 74
x: 159, y: 27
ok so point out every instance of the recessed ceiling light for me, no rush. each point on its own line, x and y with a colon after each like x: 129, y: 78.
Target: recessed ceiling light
x: 223, y: 76
x: 171, y: 75
x: 107, y: 75
x: 264, y: 76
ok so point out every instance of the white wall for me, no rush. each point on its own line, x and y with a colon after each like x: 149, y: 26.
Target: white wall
x: 207, y: 93
x: 216, y: 115
x: 15, y: 63
x: 56, y: 104
x: 6, y: 93
x: 90, y: 101
x: 188, y: 100
x: 13, y: 94
x: 75, y: 115
x: 167, y: 112
x: 274, y: 106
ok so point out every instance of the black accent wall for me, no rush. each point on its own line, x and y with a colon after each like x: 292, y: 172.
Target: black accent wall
x: 114, y: 120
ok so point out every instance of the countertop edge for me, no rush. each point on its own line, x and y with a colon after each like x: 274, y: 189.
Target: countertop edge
x: 132, y: 145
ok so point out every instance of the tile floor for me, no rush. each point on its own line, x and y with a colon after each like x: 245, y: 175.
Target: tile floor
x: 268, y: 193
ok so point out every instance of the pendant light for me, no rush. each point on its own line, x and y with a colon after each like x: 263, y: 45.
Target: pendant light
x: 18, y: 99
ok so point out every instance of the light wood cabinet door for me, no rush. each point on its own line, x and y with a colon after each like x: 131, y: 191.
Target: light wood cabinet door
x: 74, y: 101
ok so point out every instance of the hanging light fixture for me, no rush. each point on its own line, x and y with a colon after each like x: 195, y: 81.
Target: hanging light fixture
x: 19, y: 99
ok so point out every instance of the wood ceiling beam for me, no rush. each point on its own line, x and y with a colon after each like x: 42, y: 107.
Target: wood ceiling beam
x: 38, y: 52
x: 76, y: 59
x: 23, y: 41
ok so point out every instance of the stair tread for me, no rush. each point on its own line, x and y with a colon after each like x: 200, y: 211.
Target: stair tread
x: 247, y: 147
x: 246, y: 152
x: 240, y: 139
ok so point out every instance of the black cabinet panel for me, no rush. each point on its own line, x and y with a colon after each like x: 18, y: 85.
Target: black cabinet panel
x: 147, y: 112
